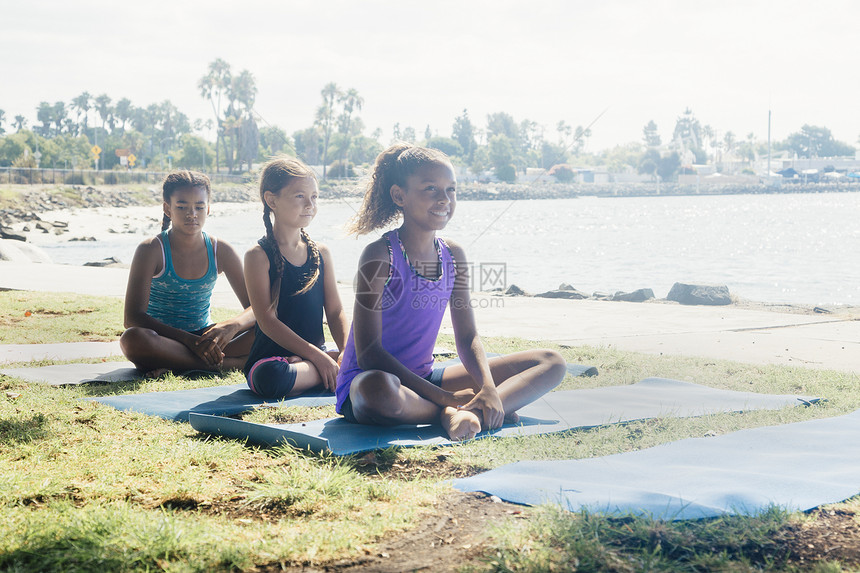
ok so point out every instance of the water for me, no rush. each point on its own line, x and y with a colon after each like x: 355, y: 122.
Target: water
x: 796, y: 248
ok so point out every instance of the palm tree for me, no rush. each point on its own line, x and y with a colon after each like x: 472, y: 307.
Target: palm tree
x: 564, y: 132
x: 212, y: 86
x: 122, y: 111
x: 45, y: 114
x: 243, y: 93
x: 20, y: 122
x: 580, y: 138
x: 60, y: 114
x: 81, y: 105
x: 104, y: 108
x: 351, y: 101
x: 244, y: 88
x: 325, y: 117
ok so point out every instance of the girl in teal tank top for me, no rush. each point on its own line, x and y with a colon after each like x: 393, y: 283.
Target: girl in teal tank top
x: 170, y: 282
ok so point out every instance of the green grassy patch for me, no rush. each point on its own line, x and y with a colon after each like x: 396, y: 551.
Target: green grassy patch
x: 84, y: 487
x: 40, y: 318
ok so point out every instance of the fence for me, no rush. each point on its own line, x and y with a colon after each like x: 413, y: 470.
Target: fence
x: 28, y: 176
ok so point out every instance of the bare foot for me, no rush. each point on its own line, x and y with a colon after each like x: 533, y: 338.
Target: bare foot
x: 460, y: 424
x: 512, y: 418
x: 156, y: 373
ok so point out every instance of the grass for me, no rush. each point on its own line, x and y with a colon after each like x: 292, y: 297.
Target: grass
x: 84, y: 487
x: 39, y: 318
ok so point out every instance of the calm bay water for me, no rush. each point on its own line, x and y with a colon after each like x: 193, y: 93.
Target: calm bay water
x: 799, y: 248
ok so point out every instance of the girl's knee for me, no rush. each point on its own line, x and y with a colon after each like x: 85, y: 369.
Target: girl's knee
x: 375, y: 393
x: 272, y: 377
x: 134, y: 342
x: 553, y: 358
x: 556, y: 363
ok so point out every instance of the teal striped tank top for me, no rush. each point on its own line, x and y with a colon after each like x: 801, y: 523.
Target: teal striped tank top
x: 179, y: 302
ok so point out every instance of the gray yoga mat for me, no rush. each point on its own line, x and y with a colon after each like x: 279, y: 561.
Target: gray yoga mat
x: 555, y: 412
x: 73, y: 374
x: 572, y: 369
x: 219, y: 400
x: 794, y: 466
x: 58, y: 351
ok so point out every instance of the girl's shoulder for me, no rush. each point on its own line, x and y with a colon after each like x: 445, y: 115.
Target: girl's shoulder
x: 153, y: 244
x: 456, y: 249
x: 149, y: 255
x: 323, y: 249
x: 256, y: 254
x: 377, y: 250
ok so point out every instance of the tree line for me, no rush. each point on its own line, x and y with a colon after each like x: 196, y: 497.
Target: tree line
x: 159, y: 135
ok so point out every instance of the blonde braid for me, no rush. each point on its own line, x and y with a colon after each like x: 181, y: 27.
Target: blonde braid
x: 270, y: 246
x: 315, y: 263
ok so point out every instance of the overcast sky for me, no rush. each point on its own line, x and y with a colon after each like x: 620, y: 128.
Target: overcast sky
x: 420, y: 63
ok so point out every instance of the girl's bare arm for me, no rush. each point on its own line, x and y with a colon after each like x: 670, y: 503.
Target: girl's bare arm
x: 334, y: 313
x: 470, y: 349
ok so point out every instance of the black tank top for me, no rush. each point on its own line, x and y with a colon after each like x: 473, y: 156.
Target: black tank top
x: 302, y: 313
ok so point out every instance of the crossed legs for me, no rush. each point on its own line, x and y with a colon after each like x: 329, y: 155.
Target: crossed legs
x: 156, y: 354
x: 379, y: 398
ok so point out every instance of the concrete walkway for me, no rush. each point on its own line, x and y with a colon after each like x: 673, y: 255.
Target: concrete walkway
x: 728, y: 332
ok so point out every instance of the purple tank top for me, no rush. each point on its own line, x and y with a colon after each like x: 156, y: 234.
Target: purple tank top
x: 412, y: 311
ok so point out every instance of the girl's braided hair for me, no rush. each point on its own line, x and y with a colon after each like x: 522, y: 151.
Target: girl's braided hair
x: 180, y: 180
x: 277, y: 174
x: 393, y: 166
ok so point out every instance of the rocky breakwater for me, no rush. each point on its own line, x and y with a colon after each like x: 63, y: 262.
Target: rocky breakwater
x: 23, y: 213
x: 683, y: 293
x: 15, y: 226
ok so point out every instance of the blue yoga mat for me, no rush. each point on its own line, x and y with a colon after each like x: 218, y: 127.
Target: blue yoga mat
x: 218, y: 400
x: 795, y: 466
x: 555, y: 412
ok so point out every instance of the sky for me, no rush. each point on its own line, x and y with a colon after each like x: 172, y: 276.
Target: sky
x: 423, y: 63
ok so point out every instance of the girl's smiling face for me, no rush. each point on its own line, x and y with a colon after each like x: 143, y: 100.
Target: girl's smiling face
x: 296, y: 204
x: 187, y: 209
x: 430, y: 196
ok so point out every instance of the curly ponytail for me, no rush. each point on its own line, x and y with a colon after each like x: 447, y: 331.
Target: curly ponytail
x: 393, y: 167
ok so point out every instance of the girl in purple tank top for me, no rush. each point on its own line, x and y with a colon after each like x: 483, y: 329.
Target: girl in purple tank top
x: 406, y: 280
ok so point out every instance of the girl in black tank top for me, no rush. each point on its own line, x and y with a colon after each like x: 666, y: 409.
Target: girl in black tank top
x: 291, y: 283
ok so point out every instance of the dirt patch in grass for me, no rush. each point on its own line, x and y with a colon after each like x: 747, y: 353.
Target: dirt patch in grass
x: 834, y: 535
x: 438, y: 467
x: 456, y: 533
